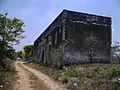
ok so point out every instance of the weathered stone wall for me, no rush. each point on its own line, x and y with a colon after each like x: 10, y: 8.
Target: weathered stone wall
x: 48, y: 46
x: 88, y: 39
x: 74, y: 38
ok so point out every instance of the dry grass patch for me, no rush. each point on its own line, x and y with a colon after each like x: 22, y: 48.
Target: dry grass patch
x: 84, y: 77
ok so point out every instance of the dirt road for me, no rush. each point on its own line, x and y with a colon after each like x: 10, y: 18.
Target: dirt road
x: 24, y: 82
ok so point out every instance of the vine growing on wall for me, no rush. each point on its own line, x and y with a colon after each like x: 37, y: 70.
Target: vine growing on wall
x: 58, y: 52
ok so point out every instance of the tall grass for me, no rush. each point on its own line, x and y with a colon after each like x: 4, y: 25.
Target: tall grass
x: 7, y: 75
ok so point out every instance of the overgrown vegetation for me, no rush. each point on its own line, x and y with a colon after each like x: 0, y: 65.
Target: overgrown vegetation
x: 11, y: 30
x: 27, y: 52
x: 115, y: 53
x: 7, y: 75
x: 85, y: 77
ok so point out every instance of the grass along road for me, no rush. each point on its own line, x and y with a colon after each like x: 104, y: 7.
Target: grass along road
x: 84, y: 76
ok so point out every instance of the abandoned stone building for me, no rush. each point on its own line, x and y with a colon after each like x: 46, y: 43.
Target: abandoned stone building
x: 74, y: 38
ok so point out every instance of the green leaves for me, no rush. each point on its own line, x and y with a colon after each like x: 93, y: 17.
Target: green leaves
x: 115, y: 51
x: 11, y: 30
x: 113, y: 72
x: 28, y: 51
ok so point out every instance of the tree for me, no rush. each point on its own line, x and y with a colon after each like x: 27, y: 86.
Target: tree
x: 116, y: 52
x: 28, y: 52
x: 11, y: 30
x: 19, y: 54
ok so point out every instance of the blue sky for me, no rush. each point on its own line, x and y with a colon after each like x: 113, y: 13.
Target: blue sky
x: 38, y: 14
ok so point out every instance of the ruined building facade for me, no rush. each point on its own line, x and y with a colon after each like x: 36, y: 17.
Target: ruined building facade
x: 74, y: 38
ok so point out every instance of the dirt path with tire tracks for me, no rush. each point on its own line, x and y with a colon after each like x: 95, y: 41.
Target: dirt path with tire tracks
x: 23, y: 81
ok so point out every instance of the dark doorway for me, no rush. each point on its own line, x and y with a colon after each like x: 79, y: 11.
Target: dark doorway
x: 91, y: 55
x: 42, y: 55
x: 49, y: 48
x: 49, y: 54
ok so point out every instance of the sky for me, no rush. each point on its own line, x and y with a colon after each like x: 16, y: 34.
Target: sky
x: 38, y: 14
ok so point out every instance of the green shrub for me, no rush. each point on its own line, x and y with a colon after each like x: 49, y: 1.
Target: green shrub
x: 2, y: 77
x: 113, y: 72
x: 116, y: 84
x: 85, y: 86
x: 7, y: 74
x: 9, y: 65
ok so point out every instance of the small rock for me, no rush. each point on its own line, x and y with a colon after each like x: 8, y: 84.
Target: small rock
x: 75, y: 84
x: 1, y: 86
x: 119, y: 79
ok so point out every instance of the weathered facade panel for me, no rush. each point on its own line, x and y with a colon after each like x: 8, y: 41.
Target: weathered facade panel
x: 75, y: 38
